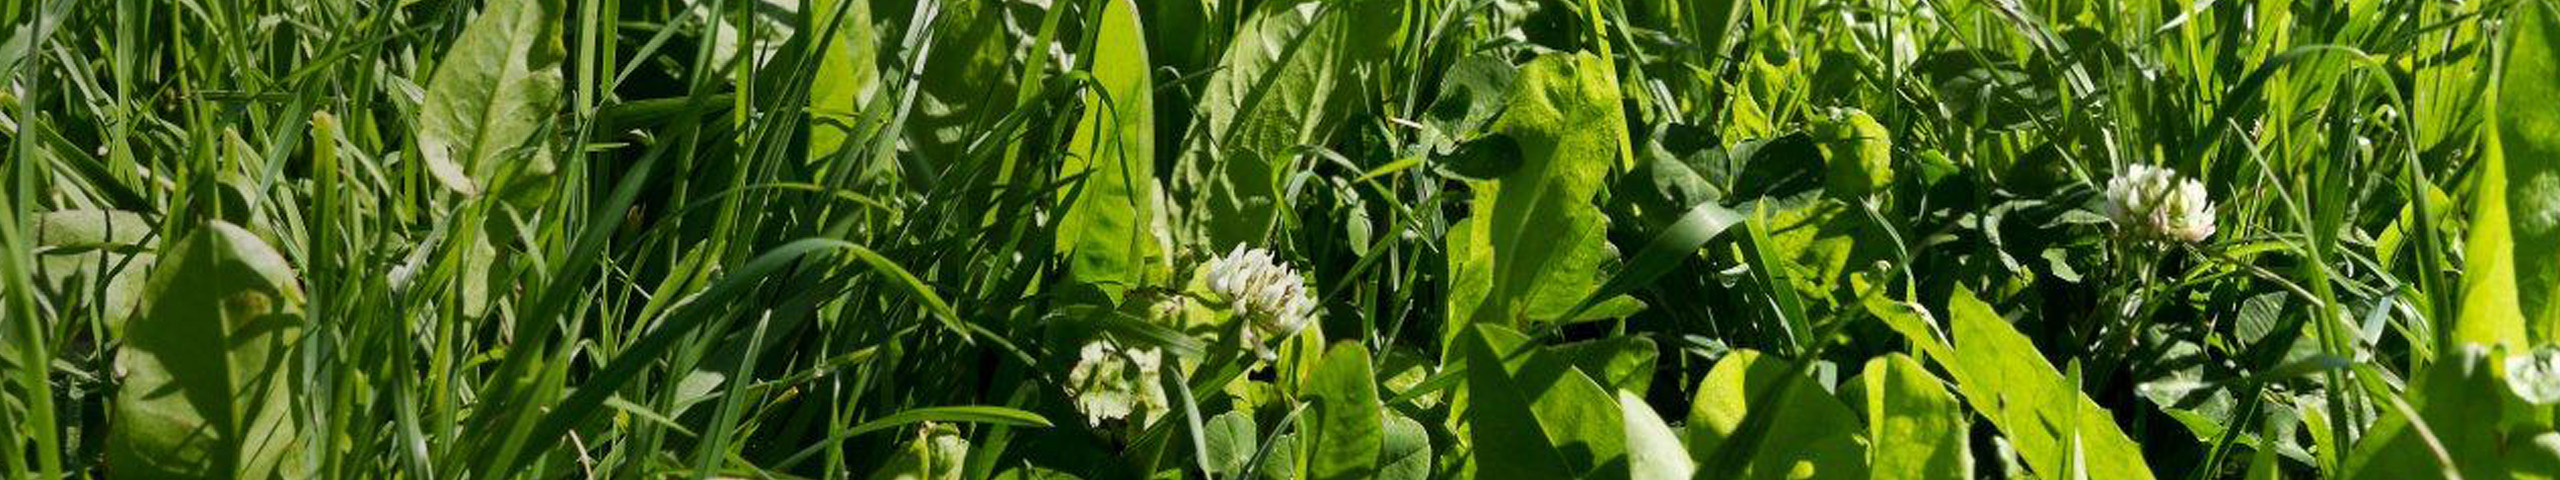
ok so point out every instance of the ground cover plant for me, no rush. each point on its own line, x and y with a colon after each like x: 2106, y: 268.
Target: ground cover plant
x: 1280, y: 239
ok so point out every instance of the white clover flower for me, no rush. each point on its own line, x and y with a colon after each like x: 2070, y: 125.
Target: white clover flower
x: 1112, y: 383
x: 2153, y: 202
x: 1270, y: 296
x: 2535, y: 375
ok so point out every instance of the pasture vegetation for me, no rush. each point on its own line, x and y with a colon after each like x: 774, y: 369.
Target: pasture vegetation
x: 1280, y: 239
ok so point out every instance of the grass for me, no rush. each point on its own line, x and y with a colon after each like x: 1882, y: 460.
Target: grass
x: 437, y: 239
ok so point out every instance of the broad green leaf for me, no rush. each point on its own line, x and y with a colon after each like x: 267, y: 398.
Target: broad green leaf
x: 1915, y: 324
x: 1472, y: 92
x: 209, y: 387
x: 1917, y: 428
x: 497, y: 85
x: 1232, y: 439
x: 2491, y: 314
x: 1282, y: 461
x: 2527, y: 143
x: 86, y: 230
x: 1285, y: 81
x: 1749, y: 119
x: 1403, y: 371
x: 1342, y: 429
x: 1617, y: 363
x: 2466, y: 404
x: 2315, y: 423
x: 937, y: 453
x: 845, y: 75
x: 1406, y: 452
x: 1534, y: 244
x: 2264, y: 463
x: 1105, y: 232
x: 2003, y: 376
x: 1509, y: 437
x: 1814, y: 435
x: 1817, y: 242
x: 94, y: 259
x: 1857, y: 153
x: 1653, y: 449
x: 2075, y: 459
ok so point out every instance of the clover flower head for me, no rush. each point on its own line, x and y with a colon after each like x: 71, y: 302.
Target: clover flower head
x: 2535, y: 375
x: 1110, y: 382
x: 1270, y: 296
x: 2155, y: 203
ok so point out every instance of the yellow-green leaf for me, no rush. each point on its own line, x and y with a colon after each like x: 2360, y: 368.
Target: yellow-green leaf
x: 1918, y: 429
x: 1534, y: 244
x: 2003, y: 376
x: 845, y: 73
x: 1814, y: 436
x: 2523, y: 159
x: 1653, y: 449
x: 1105, y: 232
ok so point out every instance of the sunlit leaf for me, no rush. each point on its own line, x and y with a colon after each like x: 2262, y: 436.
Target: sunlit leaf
x: 1534, y: 244
x: 2524, y: 161
x: 1916, y: 428
x: 1814, y: 436
x: 1105, y: 232
x: 1653, y: 449
x: 845, y: 75
x: 497, y: 85
x: 2003, y: 376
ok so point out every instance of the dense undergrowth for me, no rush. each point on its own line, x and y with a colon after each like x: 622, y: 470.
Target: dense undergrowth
x: 1280, y: 239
